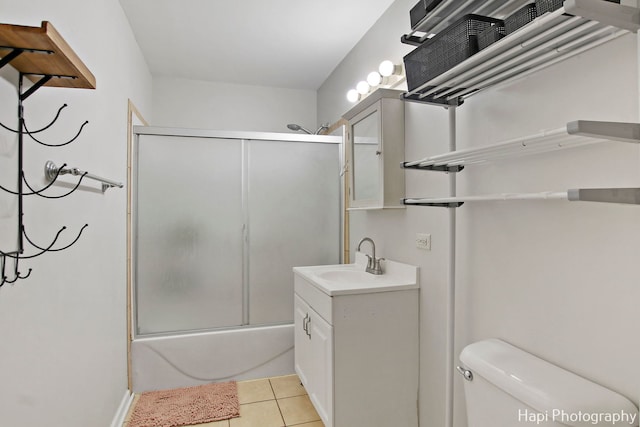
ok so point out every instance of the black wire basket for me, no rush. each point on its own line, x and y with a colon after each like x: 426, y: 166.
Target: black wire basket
x: 420, y: 10
x: 544, y: 6
x: 490, y: 36
x: 520, y: 18
x: 445, y: 50
x: 431, y: 4
x: 417, y: 13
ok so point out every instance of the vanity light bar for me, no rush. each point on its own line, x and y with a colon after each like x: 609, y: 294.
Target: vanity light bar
x: 380, y: 78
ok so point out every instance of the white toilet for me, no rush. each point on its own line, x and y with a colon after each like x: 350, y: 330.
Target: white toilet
x: 507, y: 387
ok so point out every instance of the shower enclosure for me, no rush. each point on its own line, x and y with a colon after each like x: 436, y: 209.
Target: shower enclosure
x: 220, y: 219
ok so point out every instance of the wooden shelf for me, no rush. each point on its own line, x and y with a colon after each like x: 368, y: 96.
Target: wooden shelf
x: 45, y: 53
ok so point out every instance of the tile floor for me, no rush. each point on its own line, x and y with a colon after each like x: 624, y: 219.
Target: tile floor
x: 271, y: 402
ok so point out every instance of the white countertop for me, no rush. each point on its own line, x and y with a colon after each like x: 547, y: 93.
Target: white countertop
x: 346, y: 279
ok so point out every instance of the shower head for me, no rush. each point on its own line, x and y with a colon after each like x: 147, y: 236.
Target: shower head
x: 323, y: 127
x: 294, y: 127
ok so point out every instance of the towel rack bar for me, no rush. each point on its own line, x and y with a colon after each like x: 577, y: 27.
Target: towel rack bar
x: 51, y: 171
x: 521, y: 56
x: 546, y: 60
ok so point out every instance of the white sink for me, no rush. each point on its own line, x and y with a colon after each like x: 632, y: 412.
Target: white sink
x: 347, y: 276
x: 343, y: 279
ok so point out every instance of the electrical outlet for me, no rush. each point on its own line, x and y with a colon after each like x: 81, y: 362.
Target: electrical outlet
x: 423, y: 241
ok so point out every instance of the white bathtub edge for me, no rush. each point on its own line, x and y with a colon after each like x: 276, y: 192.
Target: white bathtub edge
x: 187, y: 360
x: 186, y: 335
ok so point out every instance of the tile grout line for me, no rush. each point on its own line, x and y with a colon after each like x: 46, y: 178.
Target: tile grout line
x: 291, y: 397
x: 284, y: 423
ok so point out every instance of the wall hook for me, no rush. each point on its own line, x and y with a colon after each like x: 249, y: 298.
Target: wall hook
x: 33, y: 192
x: 54, y: 145
x: 17, y: 275
x: 39, y: 192
x: 70, y: 72
x: 50, y: 248
x: 41, y: 129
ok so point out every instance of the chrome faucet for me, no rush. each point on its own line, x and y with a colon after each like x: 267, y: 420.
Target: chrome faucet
x: 373, y: 263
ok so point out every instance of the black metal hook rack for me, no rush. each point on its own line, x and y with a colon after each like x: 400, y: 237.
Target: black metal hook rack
x: 49, y: 61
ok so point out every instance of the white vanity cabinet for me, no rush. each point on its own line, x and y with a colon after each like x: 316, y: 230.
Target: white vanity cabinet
x: 356, y: 352
x: 314, y: 356
x: 375, y: 150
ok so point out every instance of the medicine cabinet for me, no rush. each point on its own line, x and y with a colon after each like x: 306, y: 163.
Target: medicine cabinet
x: 375, y: 150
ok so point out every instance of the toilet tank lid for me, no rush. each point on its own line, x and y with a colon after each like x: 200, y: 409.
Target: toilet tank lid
x: 549, y: 389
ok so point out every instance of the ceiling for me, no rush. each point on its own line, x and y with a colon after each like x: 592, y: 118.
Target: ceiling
x: 282, y: 43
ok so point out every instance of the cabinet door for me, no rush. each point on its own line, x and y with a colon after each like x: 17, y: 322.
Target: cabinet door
x: 322, y: 353
x: 375, y: 148
x: 365, y: 152
x: 302, y: 342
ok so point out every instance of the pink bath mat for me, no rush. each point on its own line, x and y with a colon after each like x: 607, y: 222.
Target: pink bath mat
x: 186, y: 406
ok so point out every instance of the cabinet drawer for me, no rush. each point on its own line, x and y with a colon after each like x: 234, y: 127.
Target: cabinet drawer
x: 314, y: 297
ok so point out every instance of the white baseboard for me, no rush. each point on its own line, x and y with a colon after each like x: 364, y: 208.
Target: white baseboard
x: 123, y: 409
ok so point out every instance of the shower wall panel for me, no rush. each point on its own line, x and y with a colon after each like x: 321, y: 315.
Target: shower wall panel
x: 293, y: 199
x: 220, y: 222
x: 189, y: 234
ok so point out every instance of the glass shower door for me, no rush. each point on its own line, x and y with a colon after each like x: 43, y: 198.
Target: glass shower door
x: 294, y: 220
x: 189, y: 234
x: 221, y: 222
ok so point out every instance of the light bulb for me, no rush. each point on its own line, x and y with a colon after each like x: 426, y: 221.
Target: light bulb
x: 353, y: 95
x: 363, y: 87
x: 374, y: 78
x: 387, y: 68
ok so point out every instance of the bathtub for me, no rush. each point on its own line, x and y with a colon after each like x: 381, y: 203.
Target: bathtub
x: 164, y: 362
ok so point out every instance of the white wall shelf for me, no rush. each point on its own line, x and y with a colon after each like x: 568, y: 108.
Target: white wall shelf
x: 602, y: 195
x: 574, y: 134
x: 448, y: 11
x: 550, y: 38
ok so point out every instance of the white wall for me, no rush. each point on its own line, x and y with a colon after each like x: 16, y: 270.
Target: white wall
x: 381, y: 42
x: 63, y: 330
x: 228, y: 106
x: 555, y: 278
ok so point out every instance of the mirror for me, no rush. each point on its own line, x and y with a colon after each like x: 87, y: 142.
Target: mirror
x: 366, y: 157
x: 374, y: 151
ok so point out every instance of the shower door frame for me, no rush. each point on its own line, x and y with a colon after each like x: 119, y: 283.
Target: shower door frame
x: 242, y: 137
